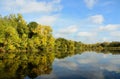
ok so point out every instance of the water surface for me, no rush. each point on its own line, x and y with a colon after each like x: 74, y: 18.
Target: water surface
x: 88, y: 65
x: 60, y: 65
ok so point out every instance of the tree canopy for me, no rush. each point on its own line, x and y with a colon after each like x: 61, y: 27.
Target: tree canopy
x: 16, y: 34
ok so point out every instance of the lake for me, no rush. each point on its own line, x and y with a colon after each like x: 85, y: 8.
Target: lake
x: 83, y: 65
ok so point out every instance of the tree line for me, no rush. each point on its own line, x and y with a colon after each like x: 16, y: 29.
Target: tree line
x: 16, y: 35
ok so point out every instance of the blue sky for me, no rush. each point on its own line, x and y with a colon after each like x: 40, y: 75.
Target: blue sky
x: 88, y: 21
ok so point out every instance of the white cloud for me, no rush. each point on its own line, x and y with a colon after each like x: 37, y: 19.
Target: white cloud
x: 108, y: 3
x: 68, y: 65
x: 87, y: 34
x: 67, y: 33
x: 90, y: 3
x: 30, y: 6
x: 57, y: 35
x: 97, y: 19
x: 115, y: 33
x: 47, y: 20
x: 109, y: 27
x: 69, y: 30
x: 105, y: 39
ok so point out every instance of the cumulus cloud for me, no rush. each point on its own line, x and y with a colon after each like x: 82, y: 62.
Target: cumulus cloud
x: 109, y: 27
x: 88, y: 37
x: 105, y: 39
x: 90, y: 3
x: 57, y: 35
x: 30, y: 6
x: 48, y: 20
x: 97, y: 19
x: 115, y: 33
x: 87, y: 34
x: 69, y: 30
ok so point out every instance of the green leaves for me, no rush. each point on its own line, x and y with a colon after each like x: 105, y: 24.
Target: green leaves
x: 16, y: 34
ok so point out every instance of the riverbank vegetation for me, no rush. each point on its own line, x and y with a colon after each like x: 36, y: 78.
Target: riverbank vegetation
x: 18, y: 35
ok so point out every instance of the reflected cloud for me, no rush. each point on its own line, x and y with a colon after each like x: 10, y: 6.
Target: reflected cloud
x: 51, y: 76
x: 104, y: 62
x: 67, y: 64
x: 89, y: 65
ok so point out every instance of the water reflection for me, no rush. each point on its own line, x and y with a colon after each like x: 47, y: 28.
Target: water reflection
x: 60, y: 65
x: 89, y: 65
x: 19, y: 65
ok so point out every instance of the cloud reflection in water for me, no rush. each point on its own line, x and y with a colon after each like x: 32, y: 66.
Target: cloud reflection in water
x: 88, y: 65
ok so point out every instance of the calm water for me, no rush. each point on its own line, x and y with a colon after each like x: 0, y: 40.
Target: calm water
x: 87, y: 65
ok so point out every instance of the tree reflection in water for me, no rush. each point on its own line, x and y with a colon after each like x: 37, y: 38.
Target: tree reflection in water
x: 20, y: 65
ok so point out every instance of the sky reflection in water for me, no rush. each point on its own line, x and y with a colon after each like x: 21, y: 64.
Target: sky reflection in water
x: 88, y: 65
